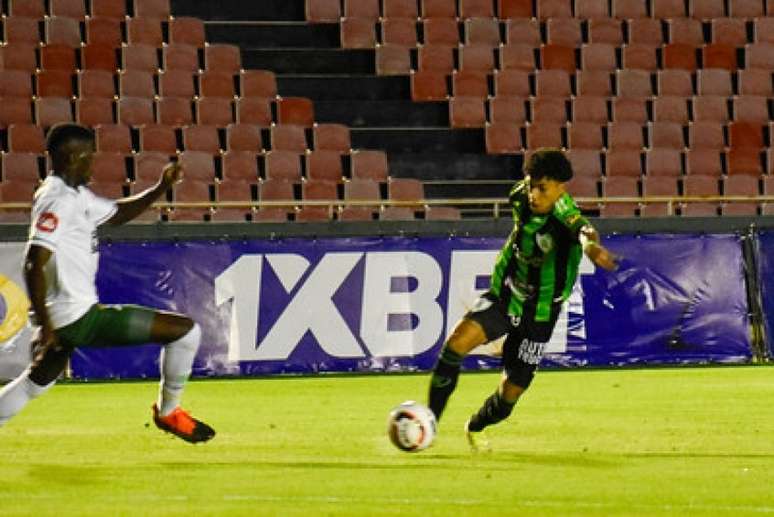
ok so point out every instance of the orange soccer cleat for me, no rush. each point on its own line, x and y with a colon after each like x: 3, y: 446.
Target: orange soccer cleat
x: 183, y: 425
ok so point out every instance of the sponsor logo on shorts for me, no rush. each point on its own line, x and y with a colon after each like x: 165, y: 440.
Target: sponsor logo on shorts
x: 531, y: 352
x: 47, y: 222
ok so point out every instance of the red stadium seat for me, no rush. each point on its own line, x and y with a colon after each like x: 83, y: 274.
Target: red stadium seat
x: 436, y: 58
x: 645, y: 31
x: 19, y: 29
x: 283, y: 166
x: 57, y: 57
x: 470, y: 84
x: 517, y: 57
x: 755, y: 82
x: 333, y: 137
x: 508, y: 110
x: 324, y: 167
x: 441, y: 31
x: 714, y: 81
x: 197, y: 165
x: 707, y: 135
x: 589, y: 109
x: 295, y: 110
x: 553, y: 9
x: 369, y: 165
x: 201, y: 138
x: 96, y: 83
x: 215, y: 111
x: 144, y: 31
x: 639, y: 56
x: 243, y: 137
x: 99, y: 56
x: 139, y: 57
x: 62, y: 31
x: 113, y: 138
x: 751, y: 108
x: 584, y: 135
x: 466, y: 112
x: 32, y: 8
x: 586, y: 9
x: 629, y: 110
x: 710, y: 108
x: 552, y: 83
x: 744, y: 160
x: 663, y: 162
x: 392, y: 60
x: 700, y: 186
x: 239, y: 167
x: 507, y: 9
x: 186, y: 31
x: 624, y: 135
x: 513, y: 83
x: 173, y: 111
x: 586, y: 163
x: 177, y: 56
x: 482, y: 31
x: 503, y: 138
x: 108, y: 8
x: 15, y: 83
x: 706, y: 9
x: 362, y: 8
x: 479, y: 58
x: 15, y: 110
x: 666, y: 135
x: 18, y: 56
x: 358, y: 33
x: 52, y: 110
x: 399, y: 31
x: 254, y: 110
x: 623, y: 162
x: 109, y: 167
x: 760, y: 55
x: 674, y: 82
x: 176, y: 83
x: 745, y: 8
x: 428, y: 86
x: 159, y: 138
x: 564, y: 31
x: 598, y: 56
x: 558, y: 56
x: 216, y: 84
x: 68, y: 8
x: 136, y: 83
x: 633, y: 83
x: 668, y: 8
x: 92, y: 111
x: 743, y: 185
x: 670, y: 108
x: 658, y: 186
x: 605, y: 30
x: 223, y: 58
x: 258, y: 83
x: 549, y: 109
x: 148, y: 167
x: 523, y: 31
x: 26, y: 138
x: 719, y: 55
x: 439, y: 8
x: 288, y: 137
x: 158, y: 9
x: 685, y: 30
x: 544, y: 135
x: 729, y: 31
x: 400, y: 9
x: 322, y: 11
x: 54, y: 83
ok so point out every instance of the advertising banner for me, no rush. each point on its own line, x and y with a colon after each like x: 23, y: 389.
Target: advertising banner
x: 387, y: 303
x: 766, y: 279
x: 15, y: 330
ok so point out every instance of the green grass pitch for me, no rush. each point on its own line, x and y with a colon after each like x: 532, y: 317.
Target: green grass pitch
x: 696, y: 441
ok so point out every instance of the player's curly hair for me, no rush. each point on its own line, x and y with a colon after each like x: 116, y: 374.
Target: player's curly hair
x: 548, y: 163
x: 59, y: 134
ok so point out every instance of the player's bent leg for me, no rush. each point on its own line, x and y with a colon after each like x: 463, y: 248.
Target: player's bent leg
x: 35, y: 381
x: 182, y: 337
x: 467, y: 335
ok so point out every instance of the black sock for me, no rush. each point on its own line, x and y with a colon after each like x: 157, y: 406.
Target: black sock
x: 444, y: 380
x: 495, y: 409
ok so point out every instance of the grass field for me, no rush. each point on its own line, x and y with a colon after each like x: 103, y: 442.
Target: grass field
x: 694, y: 441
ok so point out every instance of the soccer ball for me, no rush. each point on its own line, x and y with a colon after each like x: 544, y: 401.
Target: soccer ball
x: 411, y: 426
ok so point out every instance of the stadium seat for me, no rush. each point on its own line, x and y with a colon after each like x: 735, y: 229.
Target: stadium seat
x: 397, y: 213
x: 109, y: 167
x: 295, y: 110
x: 21, y: 167
x: 400, y: 9
x: 629, y: 110
x: 243, y: 137
x: 392, y: 60
x: 428, y: 86
x: 99, y: 56
x: 653, y: 186
x: 96, y: 83
x: 107, y: 189
x: 69, y: 8
x: 177, y: 56
x: 114, y: 138
x: 546, y: 9
x: 544, y: 135
x: 275, y: 190
x: 586, y: 163
x: 584, y: 135
x: 548, y: 109
x: 466, y: 112
x: 197, y: 165
x: 333, y: 137
x: 15, y: 83
x: 508, y: 110
x: 239, y: 167
x: 148, y: 166
x: 745, y: 134
x: 564, y: 31
x: 31, y: 8
x: 605, y: 30
x: 358, y: 33
x: 288, y: 137
x: 750, y: 108
x: 755, y: 82
x: 719, y: 55
x: 517, y: 57
x: 706, y: 9
x: 441, y: 31
x: 172, y: 111
x: 92, y: 111
x: 705, y: 135
x: 476, y: 9
x: 159, y: 138
x: 700, y: 186
x: 283, y: 166
x: 759, y: 55
x: 703, y: 161
x: 442, y: 213
x: 670, y: 108
x: 201, y: 138
x: 314, y: 214
x: 590, y: 109
x: 15, y: 110
x: 594, y: 83
x: 439, y: 8
x: 216, y: 84
x: 558, y: 56
x: 223, y: 58
x: 62, y: 31
x: 645, y: 31
x: 524, y: 31
x: 745, y: 8
x: 507, y: 9
x: 623, y: 162
x: 136, y: 83
x: 668, y: 8
x: 322, y: 11
x: 108, y: 8
x: 552, y: 83
x: 139, y: 57
x: 54, y: 83
x: 362, y: 8
x: 714, y: 81
x: 503, y: 138
x: 586, y: 9
x: 362, y: 190
x: 642, y: 57
x: 685, y: 30
x: 158, y: 9
x: 399, y: 31
x: 369, y: 165
x: 622, y: 186
x: 710, y: 108
x: 598, y: 56
x: 176, y: 83
x: 729, y: 31
x: 744, y: 160
x: 674, y: 82
x: 633, y: 83
x: 215, y: 111
x: 666, y: 135
x: 52, y: 110
x: 258, y: 83
x: 405, y: 189
x: 57, y: 57
x: 144, y: 31
x: 624, y: 135
x: 741, y: 185
x: 18, y: 56
x: 26, y: 138
x: 474, y: 57
x: 663, y: 162
x: 324, y: 166
x: 511, y: 83
x: 254, y: 110
x: 436, y: 58
x: 187, y: 31
x: 19, y: 29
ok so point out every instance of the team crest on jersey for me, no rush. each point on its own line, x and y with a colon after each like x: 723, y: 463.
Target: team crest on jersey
x: 47, y: 222
x: 544, y: 241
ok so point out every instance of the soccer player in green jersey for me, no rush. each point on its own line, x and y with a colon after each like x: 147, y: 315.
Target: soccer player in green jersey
x: 60, y: 268
x: 533, y: 276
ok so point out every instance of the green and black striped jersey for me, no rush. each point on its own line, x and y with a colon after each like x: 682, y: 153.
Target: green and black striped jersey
x: 538, y: 264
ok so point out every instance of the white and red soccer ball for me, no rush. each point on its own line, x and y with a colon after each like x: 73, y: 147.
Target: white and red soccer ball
x: 411, y: 426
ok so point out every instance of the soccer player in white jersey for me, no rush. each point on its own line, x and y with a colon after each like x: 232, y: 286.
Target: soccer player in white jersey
x: 60, y: 269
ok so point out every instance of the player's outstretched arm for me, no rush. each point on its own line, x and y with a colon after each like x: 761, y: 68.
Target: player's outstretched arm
x: 598, y: 254
x: 130, y: 207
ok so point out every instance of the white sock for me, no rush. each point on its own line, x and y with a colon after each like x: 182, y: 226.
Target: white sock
x: 176, y: 360
x: 17, y: 393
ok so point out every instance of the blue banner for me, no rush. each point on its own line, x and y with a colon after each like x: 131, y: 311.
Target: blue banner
x: 387, y: 303
x: 766, y: 278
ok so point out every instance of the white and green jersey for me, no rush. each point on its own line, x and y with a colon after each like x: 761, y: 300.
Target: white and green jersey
x: 537, y: 267
x: 64, y: 221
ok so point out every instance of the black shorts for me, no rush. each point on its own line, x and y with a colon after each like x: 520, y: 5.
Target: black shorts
x: 525, y: 338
